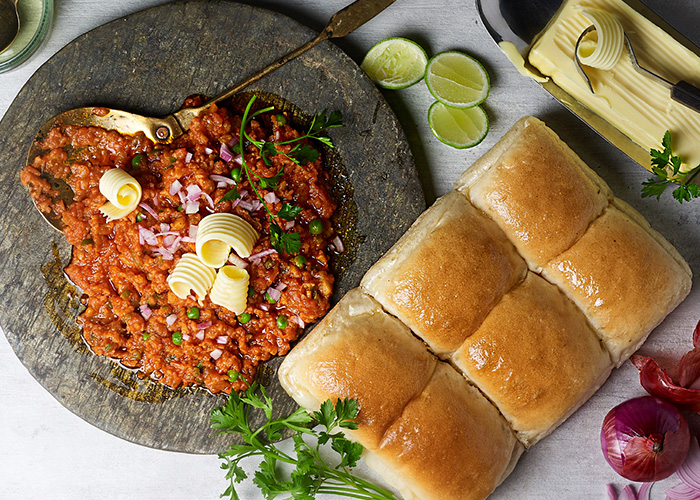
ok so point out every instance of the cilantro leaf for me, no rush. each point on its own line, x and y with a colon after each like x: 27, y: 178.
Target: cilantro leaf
x: 271, y: 182
x: 231, y: 195
x: 303, y: 155
x: 288, y: 212
x: 284, y: 242
x: 268, y: 150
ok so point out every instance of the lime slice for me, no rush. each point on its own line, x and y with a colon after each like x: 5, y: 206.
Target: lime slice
x: 456, y: 79
x: 395, y: 63
x: 458, y: 127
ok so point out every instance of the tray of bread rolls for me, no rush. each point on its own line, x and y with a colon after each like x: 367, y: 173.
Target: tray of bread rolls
x: 496, y: 316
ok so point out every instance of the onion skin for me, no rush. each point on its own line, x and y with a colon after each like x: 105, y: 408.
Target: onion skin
x: 645, y: 439
x: 659, y: 384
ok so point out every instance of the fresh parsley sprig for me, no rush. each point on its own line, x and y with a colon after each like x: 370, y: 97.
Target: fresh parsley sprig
x: 667, y: 168
x: 311, y: 474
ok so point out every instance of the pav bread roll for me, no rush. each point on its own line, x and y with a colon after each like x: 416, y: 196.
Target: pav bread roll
x: 359, y: 352
x: 535, y: 357
x: 537, y: 189
x: 446, y: 273
x: 449, y: 443
x: 624, y: 276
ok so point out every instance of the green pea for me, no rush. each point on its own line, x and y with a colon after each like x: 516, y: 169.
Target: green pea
x: 251, y: 291
x: 300, y: 260
x: 87, y: 241
x: 281, y: 120
x: 282, y: 322
x: 177, y: 338
x: 236, y: 174
x: 232, y: 375
x: 316, y: 226
x: 146, y: 336
x: 136, y: 161
x: 269, y: 299
x: 243, y: 318
x: 193, y: 313
x: 140, y: 216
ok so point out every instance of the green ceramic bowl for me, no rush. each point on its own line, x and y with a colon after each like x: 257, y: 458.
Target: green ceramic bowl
x: 35, y: 23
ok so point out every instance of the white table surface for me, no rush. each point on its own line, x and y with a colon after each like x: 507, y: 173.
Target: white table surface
x: 46, y: 452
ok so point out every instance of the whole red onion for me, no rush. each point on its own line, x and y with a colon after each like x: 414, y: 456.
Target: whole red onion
x: 645, y: 439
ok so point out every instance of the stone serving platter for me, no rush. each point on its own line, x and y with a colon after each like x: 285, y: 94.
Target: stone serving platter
x: 148, y: 63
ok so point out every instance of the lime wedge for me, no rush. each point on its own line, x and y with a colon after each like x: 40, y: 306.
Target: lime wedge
x: 395, y: 63
x: 458, y: 127
x: 456, y: 79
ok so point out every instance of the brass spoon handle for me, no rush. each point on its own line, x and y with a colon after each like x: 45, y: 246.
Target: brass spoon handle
x: 343, y: 22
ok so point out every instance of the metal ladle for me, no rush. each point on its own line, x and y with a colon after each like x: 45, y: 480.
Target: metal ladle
x: 165, y: 130
x: 682, y: 92
x: 9, y: 23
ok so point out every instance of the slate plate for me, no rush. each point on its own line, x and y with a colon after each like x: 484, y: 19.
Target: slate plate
x: 149, y: 62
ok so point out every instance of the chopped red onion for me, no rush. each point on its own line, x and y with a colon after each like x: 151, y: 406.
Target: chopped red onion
x: 222, y: 339
x: 271, y: 197
x: 156, y: 201
x: 274, y: 294
x: 188, y: 157
x: 169, y: 240
x: 164, y: 227
x: 200, y: 335
x: 193, y: 231
x: 209, y: 200
x: 237, y: 261
x: 164, y: 252
x: 185, y: 336
x: 147, y: 236
x: 225, y: 153
x: 208, y: 151
x: 203, y: 325
x: 245, y: 205
x: 146, y: 311
x: 238, y: 160
x: 262, y: 254
x: 148, y: 209
x: 338, y: 244
x: 222, y: 179
x: 170, y: 320
x: 264, y: 306
x: 257, y: 205
x: 175, y: 187
x: 289, y: 225
x: 216, y: 354
x: 193, y: 192
x: 281, y: 286
x: 191, y: 207
x: 298, y: 321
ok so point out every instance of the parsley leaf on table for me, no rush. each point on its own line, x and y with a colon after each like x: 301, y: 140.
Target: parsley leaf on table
x: 311, y: 473
x: 667, y: 168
